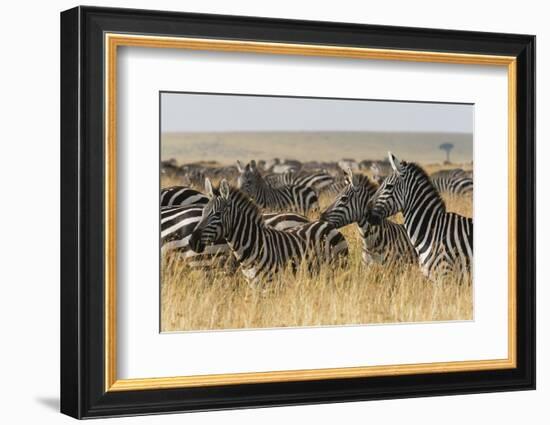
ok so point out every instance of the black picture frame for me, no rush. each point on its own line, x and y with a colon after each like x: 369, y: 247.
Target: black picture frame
x: 82, y: 206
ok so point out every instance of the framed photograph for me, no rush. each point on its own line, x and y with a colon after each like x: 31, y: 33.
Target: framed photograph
x: 261, y: 212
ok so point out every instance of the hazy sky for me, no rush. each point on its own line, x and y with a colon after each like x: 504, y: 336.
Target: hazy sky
x: 183, y: 112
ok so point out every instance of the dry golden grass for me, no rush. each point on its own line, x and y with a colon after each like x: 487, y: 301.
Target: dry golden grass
x: 197, y: 300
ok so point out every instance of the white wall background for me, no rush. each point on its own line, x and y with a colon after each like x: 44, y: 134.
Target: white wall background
x: 29, y: 224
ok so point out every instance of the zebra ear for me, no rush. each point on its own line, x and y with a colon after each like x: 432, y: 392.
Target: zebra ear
x: 349, y: 176
x: 208, y: 188
x: 224, y: 189
x: 252, y: 164
x: 239, y: 166
x: 395, y: 163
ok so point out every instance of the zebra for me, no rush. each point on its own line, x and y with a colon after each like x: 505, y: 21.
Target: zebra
x: 380, y: 171
x: 454, y: 182
x: 346, y: 163
x: 387, y: 243
x: 442, y: 240
x: 317, y: 180
x: 181, y: 196
x: 276, y: 165
x: 339, y: 184
x: 169, y: 167
x: 301, y: 199
x: 178, y: 223
x: 193, y: 175
x: 262, y: 250
x: 454, y: 172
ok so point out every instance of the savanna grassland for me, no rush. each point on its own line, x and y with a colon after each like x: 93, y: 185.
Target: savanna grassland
x: 223, y: 147
x: 197, y: 300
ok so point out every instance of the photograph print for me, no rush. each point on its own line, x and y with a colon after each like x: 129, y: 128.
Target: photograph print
x: 300, y: 212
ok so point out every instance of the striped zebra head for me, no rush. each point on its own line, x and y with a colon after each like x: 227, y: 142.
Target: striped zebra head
x: 215, y: 217
x: 249, y: 178
x: 389, y: 198
x: 350, y: 205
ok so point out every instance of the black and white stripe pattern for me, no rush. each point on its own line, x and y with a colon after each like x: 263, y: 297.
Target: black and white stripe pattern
x: 262, y: 250
x: 453, y: 172
x: 286, y: 198
x: 454, y: 182
x: 178, y: 223
x: 387, y: 243
x: 176, y: 226
x: 181, y: 196
x: 317, y: 180
x: 442, y: 240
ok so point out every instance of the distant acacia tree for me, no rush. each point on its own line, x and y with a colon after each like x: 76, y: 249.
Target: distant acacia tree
x: 447, y: 147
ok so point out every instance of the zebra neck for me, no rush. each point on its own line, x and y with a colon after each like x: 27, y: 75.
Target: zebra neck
x: 422, y: 214
x: 261, y: 189
x: 247, y: 237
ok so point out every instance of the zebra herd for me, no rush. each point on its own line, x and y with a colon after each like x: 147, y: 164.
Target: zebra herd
x: 263, y: 224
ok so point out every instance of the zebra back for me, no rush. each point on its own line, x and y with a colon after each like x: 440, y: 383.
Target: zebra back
x: 285, y: 198
x: 317, y: 180
x: 177, y: 225
x: 454, y: 172
x: 454, y: 184
x: 181, y: 196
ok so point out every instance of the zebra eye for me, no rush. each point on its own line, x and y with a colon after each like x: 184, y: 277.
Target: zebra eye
x: 344, y: 199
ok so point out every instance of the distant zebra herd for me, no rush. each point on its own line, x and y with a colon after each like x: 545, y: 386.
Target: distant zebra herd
x: 262, y: 225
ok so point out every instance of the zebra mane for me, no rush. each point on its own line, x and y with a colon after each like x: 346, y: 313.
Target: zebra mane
x: 417, y: 169
x: 237, y: 195
x: 364, y: 181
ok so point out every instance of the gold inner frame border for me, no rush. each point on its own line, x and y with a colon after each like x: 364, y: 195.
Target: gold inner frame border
x: 112, y: 41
